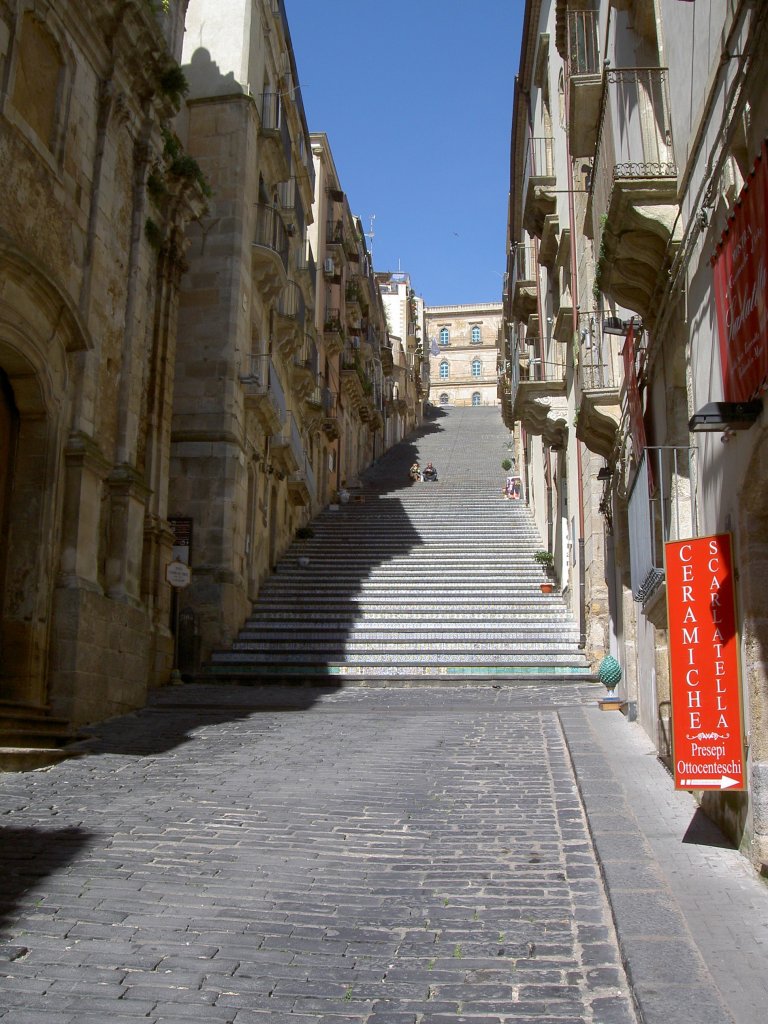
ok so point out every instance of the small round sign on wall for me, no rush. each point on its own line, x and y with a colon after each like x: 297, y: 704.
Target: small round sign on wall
x: 178, y: 574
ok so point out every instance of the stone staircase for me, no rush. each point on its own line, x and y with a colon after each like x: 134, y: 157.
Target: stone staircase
x: 32, y: 738
x: 411, y: 582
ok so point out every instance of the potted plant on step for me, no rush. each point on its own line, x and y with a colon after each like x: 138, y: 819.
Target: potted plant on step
x: 547, y: 560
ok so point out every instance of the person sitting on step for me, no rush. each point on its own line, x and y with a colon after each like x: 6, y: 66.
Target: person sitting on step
x: 415, y: 472
x: 430, y: 473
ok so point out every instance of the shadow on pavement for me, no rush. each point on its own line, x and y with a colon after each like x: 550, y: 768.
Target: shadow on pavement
x: 176, y: 713
x: 702, y: 831
x: 28, y: 855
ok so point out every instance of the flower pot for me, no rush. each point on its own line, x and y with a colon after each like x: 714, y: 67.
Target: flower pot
x: 547, y: 588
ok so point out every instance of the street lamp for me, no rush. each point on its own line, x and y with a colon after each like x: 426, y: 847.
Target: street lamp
x: 725, y: 416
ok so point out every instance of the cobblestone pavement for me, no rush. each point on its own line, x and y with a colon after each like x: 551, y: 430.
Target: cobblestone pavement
x: 372, y: 855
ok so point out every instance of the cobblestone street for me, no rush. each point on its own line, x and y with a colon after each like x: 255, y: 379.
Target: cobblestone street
x: 362, y: 855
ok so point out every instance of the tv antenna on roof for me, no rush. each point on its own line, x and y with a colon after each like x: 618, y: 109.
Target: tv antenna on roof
x: 370, y: 235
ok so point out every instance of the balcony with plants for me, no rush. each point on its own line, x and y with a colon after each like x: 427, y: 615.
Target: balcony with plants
x: 334, y: 334
x: 632, y: 205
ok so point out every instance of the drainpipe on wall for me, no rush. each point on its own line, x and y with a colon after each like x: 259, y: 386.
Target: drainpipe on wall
x: 575, y: 331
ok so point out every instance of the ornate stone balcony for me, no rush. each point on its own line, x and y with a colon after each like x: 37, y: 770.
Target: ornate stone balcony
x: 562, y: 328
x: 539, y: 400
x: 549, y: 240
x: 275, y: 136
x: 524, y: 290
x: 313, y: 411
x: 539, y: 199
x: 286, y: 449
x: 290, y: 317
x: 301, y: 483
x: 304, y: 368
x: 599, y: 378
x: 387, y: 360
x: 585, y: 85
x: 269, y: 253
x: 263, y: 392
x: 333, y: 333
x: 331, y: 415
x: 632, y: 207
x: 352, y: 385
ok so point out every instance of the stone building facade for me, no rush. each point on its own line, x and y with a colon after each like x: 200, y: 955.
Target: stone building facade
x: 351, y: 330
x: 279, y: 385
x: 242, y: 459
x: 637, y: 145
x: 408, y: 385
x: 95, y: 202
x: 463, y: 345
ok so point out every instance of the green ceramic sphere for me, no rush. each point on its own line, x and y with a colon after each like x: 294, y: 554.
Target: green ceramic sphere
x: 609, y: 672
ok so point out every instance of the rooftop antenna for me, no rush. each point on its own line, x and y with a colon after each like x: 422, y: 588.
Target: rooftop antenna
x: 370, y: 235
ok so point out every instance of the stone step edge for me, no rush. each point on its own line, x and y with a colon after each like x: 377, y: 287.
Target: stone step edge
x: 446, y: 672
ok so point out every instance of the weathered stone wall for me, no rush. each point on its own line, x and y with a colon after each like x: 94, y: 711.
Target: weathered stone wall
x: 87, y: 343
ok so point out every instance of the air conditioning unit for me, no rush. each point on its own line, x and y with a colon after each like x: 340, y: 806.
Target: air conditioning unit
x: 329, y: 266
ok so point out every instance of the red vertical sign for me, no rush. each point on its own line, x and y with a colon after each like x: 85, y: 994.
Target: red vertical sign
x: 704, y: 664
x: 741, y: 289
x: 634, y: 401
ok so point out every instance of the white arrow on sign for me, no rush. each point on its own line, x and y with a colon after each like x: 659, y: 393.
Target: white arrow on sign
x: 723, y: 783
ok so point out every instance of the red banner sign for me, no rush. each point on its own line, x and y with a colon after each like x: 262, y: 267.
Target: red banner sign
x: 741, y: 290
x: 632, y: 385
x: 704, y: 664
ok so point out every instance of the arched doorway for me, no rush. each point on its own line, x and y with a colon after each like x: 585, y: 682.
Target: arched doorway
x: 39, y: 331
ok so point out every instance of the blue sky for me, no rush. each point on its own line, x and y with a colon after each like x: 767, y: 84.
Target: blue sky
x: 416, y: 100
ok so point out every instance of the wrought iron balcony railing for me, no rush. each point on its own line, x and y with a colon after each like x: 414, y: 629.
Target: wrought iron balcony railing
x: 260, y: 379
x: 634, y: 139
x: 271, y: 233
x: 600, y: 365
x: 583, y: 46
x: 524, y: 266
x: 291, y: 303
x: 274, y: 122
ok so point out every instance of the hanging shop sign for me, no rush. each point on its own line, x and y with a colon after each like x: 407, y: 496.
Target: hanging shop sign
x: 707, y: 729
x: 741, y: 289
